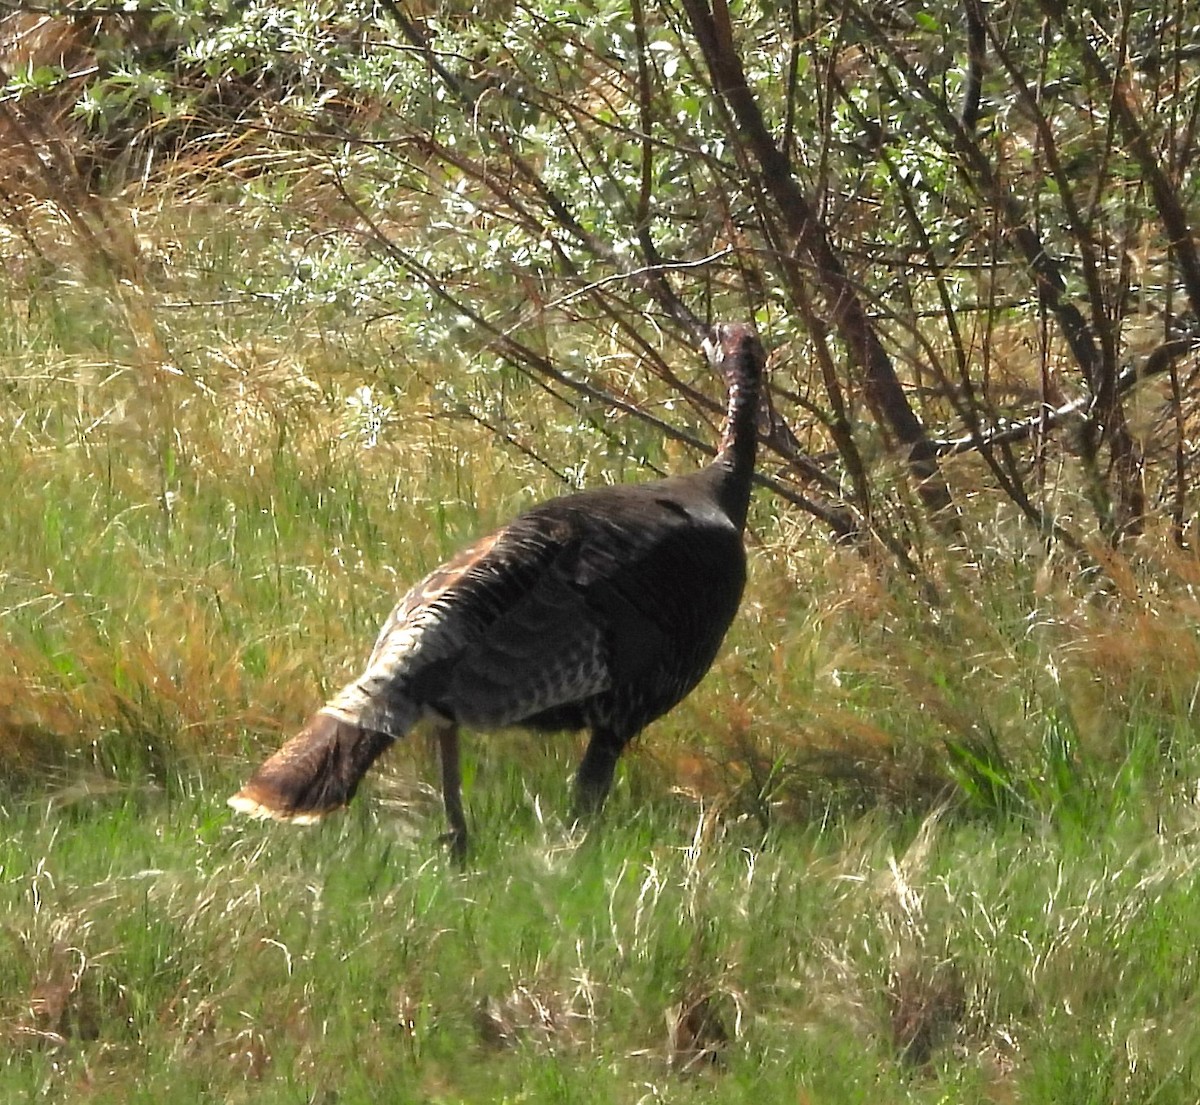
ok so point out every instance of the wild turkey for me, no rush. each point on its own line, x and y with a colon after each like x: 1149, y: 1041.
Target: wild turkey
x: 598, y: 610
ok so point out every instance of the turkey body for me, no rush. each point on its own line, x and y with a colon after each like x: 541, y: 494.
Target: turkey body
x: 598, y: 610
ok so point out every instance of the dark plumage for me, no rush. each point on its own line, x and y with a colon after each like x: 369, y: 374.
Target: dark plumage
x: 599, y: 610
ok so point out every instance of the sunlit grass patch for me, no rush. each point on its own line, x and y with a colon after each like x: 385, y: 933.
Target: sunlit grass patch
x: 152, y: 939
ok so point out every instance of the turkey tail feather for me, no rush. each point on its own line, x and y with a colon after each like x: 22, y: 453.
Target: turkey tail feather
x: 314, y: 773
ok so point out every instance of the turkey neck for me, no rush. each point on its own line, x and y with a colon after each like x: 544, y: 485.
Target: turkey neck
x: 741, y: 365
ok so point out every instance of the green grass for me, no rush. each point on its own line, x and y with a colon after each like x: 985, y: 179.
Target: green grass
x: 883, y: 853
x: 154, y: 943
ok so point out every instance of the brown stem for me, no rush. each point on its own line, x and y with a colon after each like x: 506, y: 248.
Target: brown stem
x: 884, y: 392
